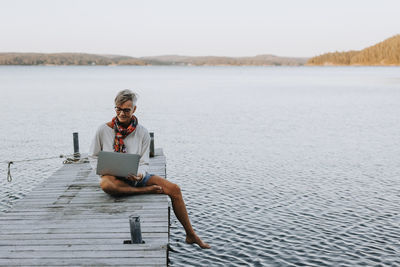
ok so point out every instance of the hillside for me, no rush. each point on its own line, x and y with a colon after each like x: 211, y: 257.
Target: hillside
x: 65, y: 59
x: 260, y: 60
x: 91, y: 59
x: 381, y: 54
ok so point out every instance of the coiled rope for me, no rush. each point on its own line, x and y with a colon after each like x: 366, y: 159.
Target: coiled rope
x: 67, y: 161
x: 9, y: 177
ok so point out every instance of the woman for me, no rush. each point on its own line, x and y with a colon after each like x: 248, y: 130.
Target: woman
x: 124, y: 134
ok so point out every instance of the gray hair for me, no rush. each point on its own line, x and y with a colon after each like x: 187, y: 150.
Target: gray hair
x: 125, y: 95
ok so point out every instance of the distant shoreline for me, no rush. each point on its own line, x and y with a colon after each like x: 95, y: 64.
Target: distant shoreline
x: 200, y: 66
x: 82, y: 59
x: 386, y: 53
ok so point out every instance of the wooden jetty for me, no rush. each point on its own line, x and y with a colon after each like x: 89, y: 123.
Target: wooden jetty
x: 68, y: 220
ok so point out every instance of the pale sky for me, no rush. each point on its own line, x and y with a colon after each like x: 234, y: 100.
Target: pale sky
x: 301, y: 28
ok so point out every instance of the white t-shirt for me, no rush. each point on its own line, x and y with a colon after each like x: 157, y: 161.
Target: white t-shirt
x: 137, y: 142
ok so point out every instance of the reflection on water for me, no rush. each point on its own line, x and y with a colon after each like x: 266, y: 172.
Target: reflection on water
x: 278, y: 166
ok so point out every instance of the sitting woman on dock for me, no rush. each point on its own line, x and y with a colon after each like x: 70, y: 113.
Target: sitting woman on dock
x: 124, y: 134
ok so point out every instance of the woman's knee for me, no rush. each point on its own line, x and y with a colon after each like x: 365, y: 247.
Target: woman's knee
x: 107, y: 185
x: 174, y: 190
x: 170, y: 189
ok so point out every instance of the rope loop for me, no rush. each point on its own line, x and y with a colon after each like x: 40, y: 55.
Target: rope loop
x: 9, y: 177
x: 67, y: 161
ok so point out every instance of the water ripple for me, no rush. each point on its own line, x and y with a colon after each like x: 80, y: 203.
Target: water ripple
x: 278, y: 166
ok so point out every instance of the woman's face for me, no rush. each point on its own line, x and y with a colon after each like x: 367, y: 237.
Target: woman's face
x: 125, y: 112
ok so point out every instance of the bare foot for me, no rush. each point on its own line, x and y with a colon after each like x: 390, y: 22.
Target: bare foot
x: 197, y: 240
x: 154, y: 189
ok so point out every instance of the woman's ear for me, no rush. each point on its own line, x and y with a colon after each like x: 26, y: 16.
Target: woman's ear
x: 134, y: 109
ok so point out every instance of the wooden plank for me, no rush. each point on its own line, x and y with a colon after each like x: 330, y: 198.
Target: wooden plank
x: 121, y: 265
x: 79, y: 220
x: 13, y: 254
x: 124, y: 228
x: 88, y: 230
x: 98, y: 241
x: 83, y: 247
x: 41, y: 219
x: 68, y: 214
x: 5, y: 224
x: 91, y: 220
x: 85, y: 261
x: 103, y: 197
x: 92, y: 200
x: 144, y: 215
x: 48, y: 236
x: 132, y: 205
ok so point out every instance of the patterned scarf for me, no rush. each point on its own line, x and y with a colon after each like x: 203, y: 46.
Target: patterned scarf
x: 121, y: 132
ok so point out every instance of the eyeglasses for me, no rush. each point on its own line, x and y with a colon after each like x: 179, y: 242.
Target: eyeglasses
x: 124, y: 110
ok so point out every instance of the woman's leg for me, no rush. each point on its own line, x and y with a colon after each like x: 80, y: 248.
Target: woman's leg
x: 174, y: 192
x: 115, y: 187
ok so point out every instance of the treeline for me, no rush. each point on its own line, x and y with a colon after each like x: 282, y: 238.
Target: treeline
x: 90, y: 59
x: 64, y: 59
x: 260, y: 60
x: 383, y: 53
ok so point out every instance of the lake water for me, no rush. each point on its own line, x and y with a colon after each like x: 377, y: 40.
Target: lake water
x: 279, y: 166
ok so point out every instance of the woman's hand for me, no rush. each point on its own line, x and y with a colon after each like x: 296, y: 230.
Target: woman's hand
x: 135, y: 178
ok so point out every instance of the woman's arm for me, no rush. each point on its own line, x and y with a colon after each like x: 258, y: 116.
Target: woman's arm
x: 95, y: 147
x: 144, y: 154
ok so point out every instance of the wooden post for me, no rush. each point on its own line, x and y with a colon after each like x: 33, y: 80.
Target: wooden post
x: 76, y: 146
x: 136, y: 232
x: 151, y: 145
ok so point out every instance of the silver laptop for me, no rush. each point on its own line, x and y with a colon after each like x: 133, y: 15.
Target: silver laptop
x: 117, y: 164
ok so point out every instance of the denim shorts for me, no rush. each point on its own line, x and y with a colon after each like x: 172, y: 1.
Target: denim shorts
x: 141, y: 183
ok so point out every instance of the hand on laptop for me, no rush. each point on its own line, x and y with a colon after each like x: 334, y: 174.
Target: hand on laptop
x: 135, y: 178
